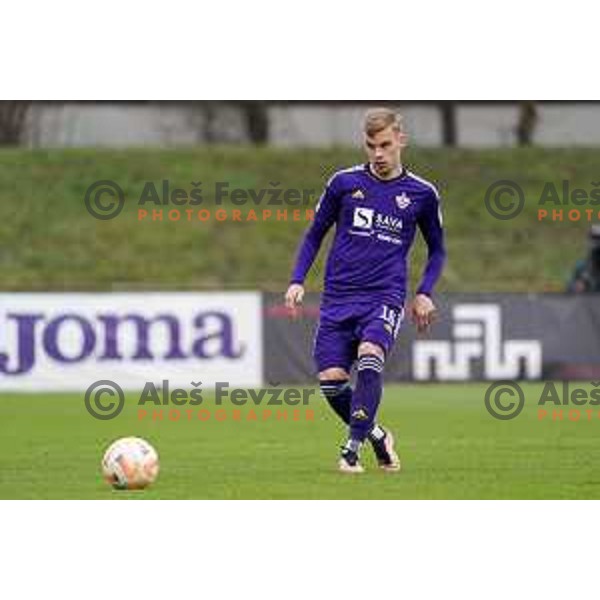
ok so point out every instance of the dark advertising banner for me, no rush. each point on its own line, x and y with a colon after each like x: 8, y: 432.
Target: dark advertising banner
x: 477, y: 337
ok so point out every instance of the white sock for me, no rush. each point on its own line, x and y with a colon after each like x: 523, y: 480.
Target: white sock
x: 353, y: 445
x: 377, y: 433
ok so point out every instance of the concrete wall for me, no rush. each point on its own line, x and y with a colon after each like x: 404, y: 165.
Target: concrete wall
x: 185, y: 124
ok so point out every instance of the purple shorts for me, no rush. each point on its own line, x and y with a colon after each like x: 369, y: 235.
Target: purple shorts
x: 342, y: 327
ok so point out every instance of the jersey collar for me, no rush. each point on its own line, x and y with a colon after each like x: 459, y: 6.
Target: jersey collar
x: 402, y: 174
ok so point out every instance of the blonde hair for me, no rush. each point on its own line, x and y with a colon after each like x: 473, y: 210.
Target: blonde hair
x: 378, y: 119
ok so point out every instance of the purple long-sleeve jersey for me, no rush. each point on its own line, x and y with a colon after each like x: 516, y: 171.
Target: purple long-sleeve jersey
x: 376, y: 221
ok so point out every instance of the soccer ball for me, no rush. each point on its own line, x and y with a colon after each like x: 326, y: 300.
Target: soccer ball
x: 130, y: 463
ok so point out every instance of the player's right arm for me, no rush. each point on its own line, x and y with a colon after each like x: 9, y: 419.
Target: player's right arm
x: 326, y: 215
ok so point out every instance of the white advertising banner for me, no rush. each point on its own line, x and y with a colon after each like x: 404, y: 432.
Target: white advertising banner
x: 67, y: 341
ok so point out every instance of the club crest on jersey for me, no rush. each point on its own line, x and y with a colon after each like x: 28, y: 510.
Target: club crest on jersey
x: 402, y: 201
x: 358, y: 195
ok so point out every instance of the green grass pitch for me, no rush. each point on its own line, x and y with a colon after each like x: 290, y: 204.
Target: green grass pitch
x: 50, y: 447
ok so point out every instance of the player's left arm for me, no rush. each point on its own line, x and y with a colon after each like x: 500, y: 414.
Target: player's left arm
x: 430, y: 223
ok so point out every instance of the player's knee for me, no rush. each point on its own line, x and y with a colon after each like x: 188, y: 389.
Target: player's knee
x: 334, y: 374
x: 369, y: 348
x: 333, y: 388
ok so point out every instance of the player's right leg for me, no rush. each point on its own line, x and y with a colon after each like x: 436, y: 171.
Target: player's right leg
x: 334, y: 352
x: 335, y: 388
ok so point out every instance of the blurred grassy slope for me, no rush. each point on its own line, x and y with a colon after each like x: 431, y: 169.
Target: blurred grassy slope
x: 50, y: 242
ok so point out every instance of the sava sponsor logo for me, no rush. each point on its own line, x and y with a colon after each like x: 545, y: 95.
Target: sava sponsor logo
x: 367, y: 218
x: 393, y: 224
x: 363, y: 218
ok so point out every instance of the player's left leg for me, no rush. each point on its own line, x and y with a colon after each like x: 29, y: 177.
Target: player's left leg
x: 378, y: 332
x: 369, y: 390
